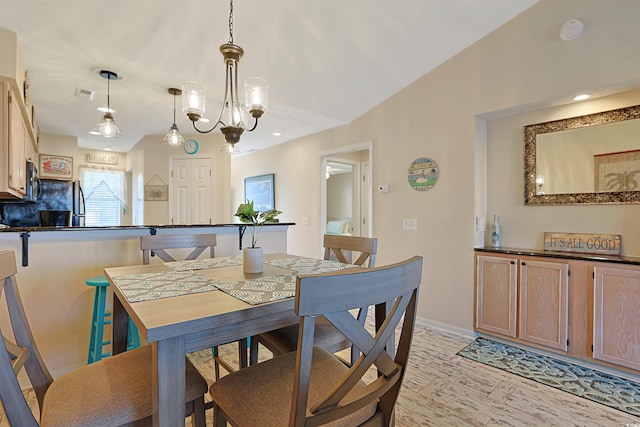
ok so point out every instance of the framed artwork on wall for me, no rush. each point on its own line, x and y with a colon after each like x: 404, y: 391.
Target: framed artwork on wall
x: 260, y: 190
x: 56, y: 167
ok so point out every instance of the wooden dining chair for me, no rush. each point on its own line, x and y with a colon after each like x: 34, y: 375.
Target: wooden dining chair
x: 311, y: 387
x: 285, y: 340
x: 114, y: 391
x: 159, y: 244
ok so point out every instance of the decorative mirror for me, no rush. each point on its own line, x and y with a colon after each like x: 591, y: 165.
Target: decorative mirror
x: 592, y: 159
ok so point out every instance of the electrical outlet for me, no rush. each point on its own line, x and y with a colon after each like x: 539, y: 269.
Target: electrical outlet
x: 480, y: 223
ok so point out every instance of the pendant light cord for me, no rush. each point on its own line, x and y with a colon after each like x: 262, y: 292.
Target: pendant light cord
x: 108, y: 93
x: 231, y: 22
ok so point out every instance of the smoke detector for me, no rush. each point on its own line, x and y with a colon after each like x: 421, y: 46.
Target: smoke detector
x: 571, y: 29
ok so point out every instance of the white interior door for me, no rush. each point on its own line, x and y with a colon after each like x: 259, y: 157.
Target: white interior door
x: 190, y: 192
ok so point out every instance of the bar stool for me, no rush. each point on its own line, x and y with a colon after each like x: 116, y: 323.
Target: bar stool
x: 100, y: 318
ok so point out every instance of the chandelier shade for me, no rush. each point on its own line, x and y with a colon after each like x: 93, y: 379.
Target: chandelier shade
x: 234, y: 122
x: 173, y: 137
x: 107, y: 126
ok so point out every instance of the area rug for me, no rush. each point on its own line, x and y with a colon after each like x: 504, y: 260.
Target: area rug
x: 610, y: 390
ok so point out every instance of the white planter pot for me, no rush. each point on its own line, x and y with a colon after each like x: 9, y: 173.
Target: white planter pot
x: 252, y: 260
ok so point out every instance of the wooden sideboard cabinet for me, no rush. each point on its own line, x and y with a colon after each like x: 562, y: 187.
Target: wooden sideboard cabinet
x: 576, y: 305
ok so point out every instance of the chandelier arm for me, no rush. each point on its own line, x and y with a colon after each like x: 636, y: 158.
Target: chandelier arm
x: 208, y: 130
x: 255, y: 125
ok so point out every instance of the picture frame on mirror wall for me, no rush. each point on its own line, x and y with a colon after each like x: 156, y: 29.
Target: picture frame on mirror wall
x: 53, y: 166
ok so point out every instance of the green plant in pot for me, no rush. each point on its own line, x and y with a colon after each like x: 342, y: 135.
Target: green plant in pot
x: 252, y: 256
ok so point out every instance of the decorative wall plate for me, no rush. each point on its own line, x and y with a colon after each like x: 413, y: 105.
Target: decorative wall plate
x: 423, y: 174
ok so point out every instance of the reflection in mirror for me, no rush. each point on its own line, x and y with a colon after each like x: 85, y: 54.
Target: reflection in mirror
x: 589, y: 159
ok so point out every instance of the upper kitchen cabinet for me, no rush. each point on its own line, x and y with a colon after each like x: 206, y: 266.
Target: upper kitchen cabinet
x: 18, y: 141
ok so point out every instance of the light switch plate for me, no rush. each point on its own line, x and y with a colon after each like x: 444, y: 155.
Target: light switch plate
x: 409, y: 224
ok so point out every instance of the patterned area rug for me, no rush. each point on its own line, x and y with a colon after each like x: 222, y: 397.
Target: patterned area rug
x: 607, y: 389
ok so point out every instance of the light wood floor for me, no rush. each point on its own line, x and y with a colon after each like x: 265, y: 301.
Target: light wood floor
x: 442, y: 389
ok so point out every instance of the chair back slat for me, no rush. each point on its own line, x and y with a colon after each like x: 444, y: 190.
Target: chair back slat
x: 393, y: 290
x: 336, y: 245
x: 158, y: 245
x: 21, y: 354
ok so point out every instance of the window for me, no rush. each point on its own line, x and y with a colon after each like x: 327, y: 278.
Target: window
x: 105, y: 195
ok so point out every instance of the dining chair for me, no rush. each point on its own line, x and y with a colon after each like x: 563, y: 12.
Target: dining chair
x: 285, y: 340
x: 114, y: 391
x: 159, y: 244
x: 311, y: 387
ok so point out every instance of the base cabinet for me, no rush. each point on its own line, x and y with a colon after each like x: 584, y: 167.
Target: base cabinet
x: 616, y: 323
x: 523, y: 299
x: 580, y: 308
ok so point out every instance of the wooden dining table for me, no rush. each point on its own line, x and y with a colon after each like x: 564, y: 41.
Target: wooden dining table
x: 179, y: 324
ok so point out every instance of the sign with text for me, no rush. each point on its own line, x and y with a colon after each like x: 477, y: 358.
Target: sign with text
x: 600, y: 244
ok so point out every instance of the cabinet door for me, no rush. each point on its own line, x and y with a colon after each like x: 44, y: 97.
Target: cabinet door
x: 543, y: 314
x: 496, y: 288
x: 17, y: 160
x: 616, y: 326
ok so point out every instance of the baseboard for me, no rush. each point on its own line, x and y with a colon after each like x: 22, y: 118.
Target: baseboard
x: 466, y: 333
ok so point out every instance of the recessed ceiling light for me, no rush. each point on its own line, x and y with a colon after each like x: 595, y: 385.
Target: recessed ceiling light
x: 106, y: 110
x: 108, y: 149
x: 277, y: 134
x: 94, y: 132
x: 581, y: 97
x: 203, y: 120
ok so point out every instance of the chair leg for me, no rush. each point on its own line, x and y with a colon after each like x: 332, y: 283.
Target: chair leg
x: 216, y: 364
x: 198, y: 418
x: 242, y: 353
x: 219, y: 420
x: 253, y: 351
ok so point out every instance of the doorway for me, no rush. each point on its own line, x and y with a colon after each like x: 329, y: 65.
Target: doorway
x: 345, y: 192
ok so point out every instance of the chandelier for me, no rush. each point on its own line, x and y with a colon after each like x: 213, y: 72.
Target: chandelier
x: 231, y: 119
x: 107, y: 126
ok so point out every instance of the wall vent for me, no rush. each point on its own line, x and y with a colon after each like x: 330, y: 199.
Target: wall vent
x: 85, y: 93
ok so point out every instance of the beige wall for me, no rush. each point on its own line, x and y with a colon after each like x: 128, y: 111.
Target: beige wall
x: 522, y: 66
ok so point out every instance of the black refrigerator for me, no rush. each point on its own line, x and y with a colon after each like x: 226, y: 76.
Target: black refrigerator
x: 65, y: 197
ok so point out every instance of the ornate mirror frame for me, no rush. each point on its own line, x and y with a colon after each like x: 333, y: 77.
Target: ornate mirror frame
x: 530, y: 133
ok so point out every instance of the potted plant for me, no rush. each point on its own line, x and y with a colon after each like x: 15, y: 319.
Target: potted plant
x: 252, y: 255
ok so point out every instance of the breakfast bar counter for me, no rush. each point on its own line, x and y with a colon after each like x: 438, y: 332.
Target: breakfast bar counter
x: 57, y: 301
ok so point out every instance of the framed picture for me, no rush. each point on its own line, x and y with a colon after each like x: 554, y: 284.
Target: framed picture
x: 260, y: 190
x: 56, y: 167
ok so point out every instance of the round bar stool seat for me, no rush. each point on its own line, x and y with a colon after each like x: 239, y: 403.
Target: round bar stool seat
x: 102, y: 317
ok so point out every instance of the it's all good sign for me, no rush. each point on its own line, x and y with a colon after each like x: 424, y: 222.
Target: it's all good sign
x: 600, y: 244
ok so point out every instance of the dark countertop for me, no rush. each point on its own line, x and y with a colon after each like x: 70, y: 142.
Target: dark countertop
x: 129, y: 227
x: 561, y: 255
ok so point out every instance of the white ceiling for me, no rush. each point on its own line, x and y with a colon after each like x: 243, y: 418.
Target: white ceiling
x: 327, y: 61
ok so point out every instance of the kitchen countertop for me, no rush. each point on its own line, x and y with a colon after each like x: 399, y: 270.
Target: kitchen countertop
x: 128, y: 227
x: 562, y: 255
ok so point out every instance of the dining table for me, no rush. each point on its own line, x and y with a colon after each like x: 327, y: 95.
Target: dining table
x: 185, y: 306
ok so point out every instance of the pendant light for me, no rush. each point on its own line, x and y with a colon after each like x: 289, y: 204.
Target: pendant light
x: 255, y: 102
x: 173, y: 137
x: 107, y: 126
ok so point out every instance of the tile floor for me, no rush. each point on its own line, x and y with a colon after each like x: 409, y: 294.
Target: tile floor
x: 442, y: 389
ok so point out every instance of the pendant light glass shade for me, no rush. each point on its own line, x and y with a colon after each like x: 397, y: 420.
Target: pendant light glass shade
x: 173, y: 137
x: 108, y: 128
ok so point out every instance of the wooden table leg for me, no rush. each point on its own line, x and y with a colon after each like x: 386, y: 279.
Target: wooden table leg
x: 168, y: 382
x: 119, y: 326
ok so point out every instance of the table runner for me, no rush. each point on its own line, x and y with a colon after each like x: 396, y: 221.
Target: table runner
x: 150, y: 286
x: 185, y: 280
x: 273, y: 288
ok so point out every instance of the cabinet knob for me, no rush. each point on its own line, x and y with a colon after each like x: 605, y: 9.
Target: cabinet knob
x: 513, y: 262
x: 524, y: 263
